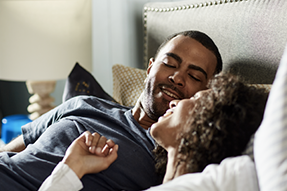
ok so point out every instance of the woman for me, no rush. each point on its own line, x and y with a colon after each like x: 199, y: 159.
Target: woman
x: 223, y: 120
x: 214, y: 124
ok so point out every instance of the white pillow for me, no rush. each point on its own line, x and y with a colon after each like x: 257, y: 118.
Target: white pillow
x: 232, y: 174
x: 270, y: 142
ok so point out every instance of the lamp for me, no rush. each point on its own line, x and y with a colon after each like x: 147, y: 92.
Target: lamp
x: 40, y: 41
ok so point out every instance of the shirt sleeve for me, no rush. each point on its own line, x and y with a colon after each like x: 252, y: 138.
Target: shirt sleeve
x: 33, y: 130
x: 62, y: 178
x: 236, y: 174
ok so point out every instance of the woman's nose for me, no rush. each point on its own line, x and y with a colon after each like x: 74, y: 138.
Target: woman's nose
x: 173, y: 103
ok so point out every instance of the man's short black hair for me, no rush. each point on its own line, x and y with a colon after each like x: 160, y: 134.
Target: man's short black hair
x: 204, y: 39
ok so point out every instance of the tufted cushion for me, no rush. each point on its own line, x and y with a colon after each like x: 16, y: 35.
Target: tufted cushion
x: 128, y: 84
x: 251, y: 41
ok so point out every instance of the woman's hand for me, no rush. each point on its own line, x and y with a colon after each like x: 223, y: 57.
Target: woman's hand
x: 90, y: 153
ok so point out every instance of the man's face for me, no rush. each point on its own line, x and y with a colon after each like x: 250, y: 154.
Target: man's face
x: 182, y: 68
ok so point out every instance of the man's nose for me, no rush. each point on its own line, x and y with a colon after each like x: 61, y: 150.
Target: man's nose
x: 177, y: 78
x: 173, y: 103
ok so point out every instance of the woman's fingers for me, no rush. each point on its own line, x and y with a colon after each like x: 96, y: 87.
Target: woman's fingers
x: 82, y: 158
x: 88, y: 138
x: 93, y: 142
x: 107, y: 149
x: 112, y: 156
x: 100, y: 146
x: 97, y: 144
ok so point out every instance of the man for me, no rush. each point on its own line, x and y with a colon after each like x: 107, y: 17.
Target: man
x: 181, y: 67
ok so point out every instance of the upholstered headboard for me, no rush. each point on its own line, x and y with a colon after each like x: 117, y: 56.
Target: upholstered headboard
x: 251, y: 34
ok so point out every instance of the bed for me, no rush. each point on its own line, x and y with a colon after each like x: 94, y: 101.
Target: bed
x: 251, y: 36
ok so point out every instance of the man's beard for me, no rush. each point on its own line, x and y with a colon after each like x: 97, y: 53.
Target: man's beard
x: 153, y: 108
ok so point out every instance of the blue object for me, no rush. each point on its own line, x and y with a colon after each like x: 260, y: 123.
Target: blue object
x: 11, y: 126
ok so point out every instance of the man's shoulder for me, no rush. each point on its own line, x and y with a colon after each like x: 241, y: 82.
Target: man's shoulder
x: 84, y: 101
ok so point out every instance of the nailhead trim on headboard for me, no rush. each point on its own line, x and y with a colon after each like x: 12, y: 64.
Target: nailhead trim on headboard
x: 183, y: 7
x: 197, y: 5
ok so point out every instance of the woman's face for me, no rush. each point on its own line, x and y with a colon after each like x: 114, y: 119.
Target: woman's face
x: 175, y: 121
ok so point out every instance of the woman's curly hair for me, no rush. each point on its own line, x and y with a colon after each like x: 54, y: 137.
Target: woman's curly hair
x: 223, y: 121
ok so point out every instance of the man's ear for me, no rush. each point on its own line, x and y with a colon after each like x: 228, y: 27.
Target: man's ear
x: 150, y: 64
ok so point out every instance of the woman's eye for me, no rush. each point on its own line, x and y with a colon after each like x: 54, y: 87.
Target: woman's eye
x: 196, y: 96
x: 194, y: 78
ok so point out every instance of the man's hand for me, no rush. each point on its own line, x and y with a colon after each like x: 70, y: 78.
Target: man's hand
x: 90, y: 153
x: 16, y: 145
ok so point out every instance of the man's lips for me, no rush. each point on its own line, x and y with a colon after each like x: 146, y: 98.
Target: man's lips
x: 171, y: 93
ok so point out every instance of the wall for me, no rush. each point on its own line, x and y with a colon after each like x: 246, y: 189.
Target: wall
x: 34, y: 32
x: 117, y: 38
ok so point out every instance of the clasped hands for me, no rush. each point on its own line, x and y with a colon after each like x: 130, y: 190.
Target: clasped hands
x: 90, y: 153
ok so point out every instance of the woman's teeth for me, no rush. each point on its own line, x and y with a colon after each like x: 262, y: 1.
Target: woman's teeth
x: 168, y: 112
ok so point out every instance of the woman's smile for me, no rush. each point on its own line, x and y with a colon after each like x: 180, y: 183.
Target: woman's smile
x: 167, y: 113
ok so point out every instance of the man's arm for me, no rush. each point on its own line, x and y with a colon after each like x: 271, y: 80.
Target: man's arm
x: 16, y: 145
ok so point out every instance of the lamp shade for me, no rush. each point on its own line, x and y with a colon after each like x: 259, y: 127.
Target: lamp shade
x: 43, y: 39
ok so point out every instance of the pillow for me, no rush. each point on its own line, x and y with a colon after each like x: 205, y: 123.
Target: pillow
x: 81, y: 82
x: 128, y: 84
x: 270, y: 142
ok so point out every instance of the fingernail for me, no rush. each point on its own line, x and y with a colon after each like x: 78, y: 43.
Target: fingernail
x: 92, y: 149
x: 98, y: 150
